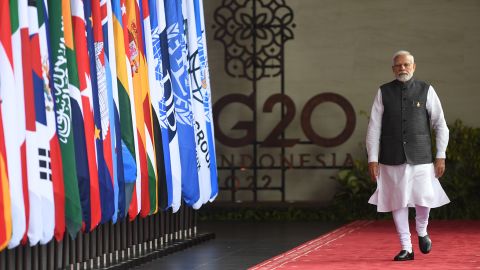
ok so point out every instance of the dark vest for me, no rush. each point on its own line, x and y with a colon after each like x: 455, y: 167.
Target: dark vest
x: 405, y: 136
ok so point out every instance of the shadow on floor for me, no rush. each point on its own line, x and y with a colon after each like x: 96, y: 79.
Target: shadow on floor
x: 240, y: 245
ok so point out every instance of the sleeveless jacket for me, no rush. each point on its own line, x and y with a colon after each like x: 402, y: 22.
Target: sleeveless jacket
x: 405, y: 135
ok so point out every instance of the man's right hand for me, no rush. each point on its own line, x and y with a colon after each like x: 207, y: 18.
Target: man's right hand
x: 373, y: 170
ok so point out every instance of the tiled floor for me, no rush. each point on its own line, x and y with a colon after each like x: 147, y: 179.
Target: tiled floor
x: 240, y: 245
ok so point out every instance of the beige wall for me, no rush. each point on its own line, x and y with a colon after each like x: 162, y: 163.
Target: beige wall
x: 346, y: 47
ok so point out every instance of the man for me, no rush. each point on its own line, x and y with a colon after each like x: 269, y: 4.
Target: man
x: 400, y: 152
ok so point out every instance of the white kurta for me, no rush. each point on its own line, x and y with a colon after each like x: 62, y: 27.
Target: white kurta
x: 407, y: 185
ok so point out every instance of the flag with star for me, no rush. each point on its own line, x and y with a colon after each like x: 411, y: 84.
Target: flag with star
x: 100, y: 105
x: 89, y: 191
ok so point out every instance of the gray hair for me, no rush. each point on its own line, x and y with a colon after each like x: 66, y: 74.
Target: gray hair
x: 402, y: 52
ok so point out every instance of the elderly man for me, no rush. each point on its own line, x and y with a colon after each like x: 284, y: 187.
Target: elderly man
x: 400, y: 152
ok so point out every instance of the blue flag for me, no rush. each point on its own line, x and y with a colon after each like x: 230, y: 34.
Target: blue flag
x: 183, y: 105
x: 207, y: 95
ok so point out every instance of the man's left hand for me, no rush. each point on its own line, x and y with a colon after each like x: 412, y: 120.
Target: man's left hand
x: 439, y: 167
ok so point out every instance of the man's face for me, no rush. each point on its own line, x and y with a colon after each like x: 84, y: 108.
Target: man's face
x: 403, y: 68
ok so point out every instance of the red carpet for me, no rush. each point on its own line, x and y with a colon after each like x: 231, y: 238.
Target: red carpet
x: 373, y: 244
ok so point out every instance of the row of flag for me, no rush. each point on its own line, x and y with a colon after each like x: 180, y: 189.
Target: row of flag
x: 105, y: 114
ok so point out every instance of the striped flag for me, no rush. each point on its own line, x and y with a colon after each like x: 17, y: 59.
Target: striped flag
x: 154, y: 167
x: 183, y: 106
x: 89, y: 191
x: 200, y: 124
x: 113, y: 102
x: 6, y: 85
x: 81, y: 157
x: 54, y: 151
x: 101, y: 114
x: 207, y: 95
x: 125, y: 98
x: 134, y: 45
x: 15, y: 135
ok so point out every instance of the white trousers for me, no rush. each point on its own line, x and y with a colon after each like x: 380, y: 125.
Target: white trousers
x: 400, y: 217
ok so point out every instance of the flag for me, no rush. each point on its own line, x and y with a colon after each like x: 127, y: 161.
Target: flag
x: 200, y: 124
x: 63, y: 110
x: 15, y: 135
x: 81, y: 157
x: 5, y: 206
x: 207, y: 95
x: 183, y: 106
x: 33, y: 83
x: 154, y: 167
x: 6, y: 84
x: 52, y: 154
x: 113, y: 102
x: 89, y: 190
x: 125, y: 99
x: 162, y: 103
x: 100, y: 105
x: 134, y: 44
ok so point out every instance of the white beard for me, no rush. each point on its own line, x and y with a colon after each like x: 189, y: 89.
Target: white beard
x: 404, y: 77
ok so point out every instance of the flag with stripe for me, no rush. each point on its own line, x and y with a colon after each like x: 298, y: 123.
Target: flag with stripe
x: 135, y: 50
x: 154, y: 168
x: 15, y: 135
x: 89, y: 191
x: 81, y: 157
x: 101, y: 114
x: 200, y: 124
x: 126, y: 102
x: 54, y: 151
x: 182, y: 98
x: 113, y: 102
x: 6, y: 85
x: 207, y: 93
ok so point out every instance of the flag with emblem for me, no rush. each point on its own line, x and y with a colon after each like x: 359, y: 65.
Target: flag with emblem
x: 52, y: 155
x: 183, y: 105
x: 63, y: 110
x: 134, y: 27
x: 199, y: 120
x: 100, y: 105
x: 206, y: 93
x: 89, y: 190
x: 169, y: 183
x: 6, y: 85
